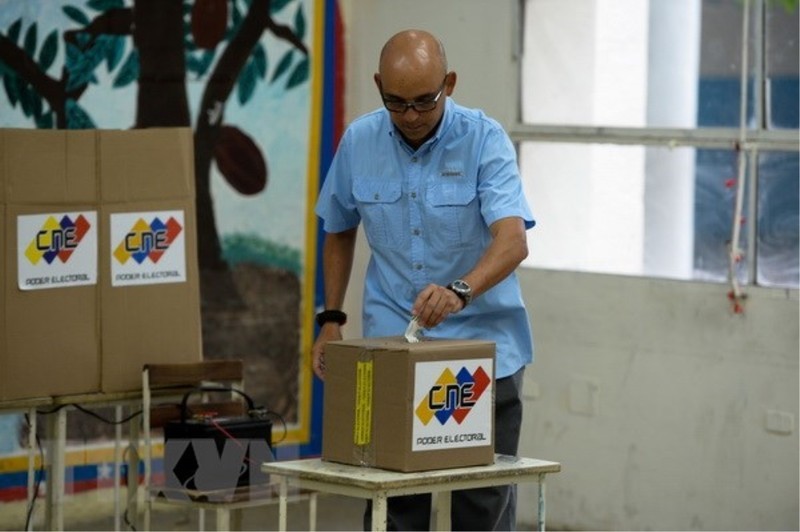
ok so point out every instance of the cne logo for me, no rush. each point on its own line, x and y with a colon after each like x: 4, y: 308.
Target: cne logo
x: 57, y: 239
x: 453, y: 396
x: 147, y: 241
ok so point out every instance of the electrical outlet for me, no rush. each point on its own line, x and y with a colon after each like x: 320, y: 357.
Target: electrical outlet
x: 779, y: 422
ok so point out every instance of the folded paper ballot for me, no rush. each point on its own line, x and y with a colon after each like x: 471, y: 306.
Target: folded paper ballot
x: 412, y: 330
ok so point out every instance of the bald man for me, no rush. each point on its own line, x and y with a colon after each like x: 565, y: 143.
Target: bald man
x: 438, y: 191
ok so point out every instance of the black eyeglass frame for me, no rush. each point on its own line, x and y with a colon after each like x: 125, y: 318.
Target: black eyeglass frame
x: 429, y: 105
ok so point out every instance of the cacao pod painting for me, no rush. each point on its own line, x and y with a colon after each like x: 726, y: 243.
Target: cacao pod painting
x: 240, y: 161
x: 209, y: 21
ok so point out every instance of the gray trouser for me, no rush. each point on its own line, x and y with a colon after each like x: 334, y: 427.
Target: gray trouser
x: 477, y: 509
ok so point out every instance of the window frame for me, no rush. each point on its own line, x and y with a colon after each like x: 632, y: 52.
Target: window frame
x: 747, y: 141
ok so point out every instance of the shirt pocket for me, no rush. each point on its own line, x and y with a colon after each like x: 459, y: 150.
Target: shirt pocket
x: 454, y: 217
x: 381, y: 211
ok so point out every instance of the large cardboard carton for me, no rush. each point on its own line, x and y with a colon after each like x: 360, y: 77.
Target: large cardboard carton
x: 50, y: 345
x: 64, y: 327
x: 150, y: 308
x: 409, y: 406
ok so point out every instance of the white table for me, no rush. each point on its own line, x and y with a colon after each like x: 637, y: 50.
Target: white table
x: 380, y: 484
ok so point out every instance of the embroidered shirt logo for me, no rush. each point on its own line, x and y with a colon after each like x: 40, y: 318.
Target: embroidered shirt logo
x: 452, y: 173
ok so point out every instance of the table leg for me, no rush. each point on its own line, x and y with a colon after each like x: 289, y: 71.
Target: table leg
x: 117, y: 472
x: 541, y: 503
x: 31, y: 461
x: 56, y: 445
x: 312, y: 512
x: 443, y: 506
x: 223, y: 519
x: 379, y: 508
x: 132, y: 507
x: 284, y: 486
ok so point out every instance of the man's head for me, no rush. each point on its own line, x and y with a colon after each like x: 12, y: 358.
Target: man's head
x: 413, y: 70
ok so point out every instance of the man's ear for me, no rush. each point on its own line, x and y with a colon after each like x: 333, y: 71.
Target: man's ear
x: 451, y: 82
x: 377, y: 78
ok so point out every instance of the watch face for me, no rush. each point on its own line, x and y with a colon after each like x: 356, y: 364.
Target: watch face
x: 462, y: 286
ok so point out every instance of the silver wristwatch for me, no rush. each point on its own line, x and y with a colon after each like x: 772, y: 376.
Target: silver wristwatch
x: 462, y: 289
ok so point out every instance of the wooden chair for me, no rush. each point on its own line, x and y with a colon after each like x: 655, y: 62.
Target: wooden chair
x: 163, y: 386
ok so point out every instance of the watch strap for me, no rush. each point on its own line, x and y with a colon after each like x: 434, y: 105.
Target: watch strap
x: 336, y: 316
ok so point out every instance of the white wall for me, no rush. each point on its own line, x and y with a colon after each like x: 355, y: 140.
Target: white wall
x: 654, y: 397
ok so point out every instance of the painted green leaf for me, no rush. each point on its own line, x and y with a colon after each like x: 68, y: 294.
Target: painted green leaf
x: 80, y: 64
x: 277, y: 5
x: 45, y: 121
x: 105, y: 5
x: 6, y: 70
x: 246, y: 84
x: 129, y: 71
x: 260, y: 60
x: 299, y: 74
x: 76, y: 14
x: 77, y: 118
x: 198, y: 63
x: 300, y: 23
x: 48, y: 52
x: 14, y: 29
x: 36, y: 103
x: 30, y: 40
x: 114, y: 52
x: 10, y: 85
x: 25, y: 99
x: 205, y: 61
x: 83, y: 39
x: 283, y: 65
x: 236, y: 18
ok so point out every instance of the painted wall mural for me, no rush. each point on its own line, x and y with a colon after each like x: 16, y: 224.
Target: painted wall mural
x: 259, y: 83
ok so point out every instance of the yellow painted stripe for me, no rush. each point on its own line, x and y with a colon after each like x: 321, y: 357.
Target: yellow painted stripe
x: 302, y: 434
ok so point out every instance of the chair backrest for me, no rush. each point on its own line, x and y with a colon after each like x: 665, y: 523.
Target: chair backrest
x: 172, y: 381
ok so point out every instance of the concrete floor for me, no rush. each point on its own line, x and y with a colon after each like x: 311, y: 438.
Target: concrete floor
x: 95, y: 511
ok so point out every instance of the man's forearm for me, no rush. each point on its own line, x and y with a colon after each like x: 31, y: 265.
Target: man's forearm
x: 508, y: 249
x: 337, y: 263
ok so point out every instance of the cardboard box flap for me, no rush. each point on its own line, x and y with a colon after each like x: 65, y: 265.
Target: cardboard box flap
x: 146, y: 165
x: 399, y: 343
x: 48, y: 167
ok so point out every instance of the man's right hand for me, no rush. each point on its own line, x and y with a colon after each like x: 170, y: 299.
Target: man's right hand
x: 329, y: 332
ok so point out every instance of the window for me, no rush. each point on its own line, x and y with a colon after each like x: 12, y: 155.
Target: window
x: 648, y: 127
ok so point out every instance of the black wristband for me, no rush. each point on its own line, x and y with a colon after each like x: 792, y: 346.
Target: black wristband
x: 331, y: 315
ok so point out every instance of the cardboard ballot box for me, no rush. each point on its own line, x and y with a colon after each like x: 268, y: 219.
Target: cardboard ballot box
x: 409, y: 406
x: 99, y: 265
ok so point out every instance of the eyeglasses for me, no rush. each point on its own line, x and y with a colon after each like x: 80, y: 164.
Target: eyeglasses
x: 421, y: 106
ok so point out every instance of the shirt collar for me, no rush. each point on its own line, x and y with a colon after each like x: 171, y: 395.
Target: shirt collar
x: 444, y: 124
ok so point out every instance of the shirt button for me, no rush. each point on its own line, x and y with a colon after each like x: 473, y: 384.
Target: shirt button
x: 418, y: 266
x: 413, y: 159
x: 413, y: 194
x: 377, y: 197
x: 416, y: 232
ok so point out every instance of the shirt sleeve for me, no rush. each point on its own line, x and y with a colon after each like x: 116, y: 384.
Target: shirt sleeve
x: 335, y: 204
x: 499, y: 181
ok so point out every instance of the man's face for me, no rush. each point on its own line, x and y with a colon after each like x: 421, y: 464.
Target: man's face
x: 415, y: 104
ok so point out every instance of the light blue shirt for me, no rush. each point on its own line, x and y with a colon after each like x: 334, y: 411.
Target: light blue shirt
x: 426, y: 214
